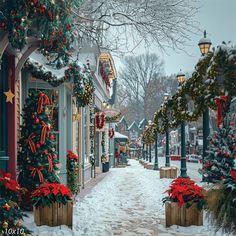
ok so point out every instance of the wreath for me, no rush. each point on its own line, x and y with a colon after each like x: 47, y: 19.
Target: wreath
x: 100, y: 120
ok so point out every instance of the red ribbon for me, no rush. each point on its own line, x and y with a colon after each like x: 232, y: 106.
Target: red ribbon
x: 38, y: 171
x: 43, y: 100
x: 220, y: 102
x: 43, y: 133
x: 111, y: 133
x: 49, y: 162
x: 31, y: 143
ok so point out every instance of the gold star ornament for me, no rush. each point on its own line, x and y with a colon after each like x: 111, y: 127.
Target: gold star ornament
x: 9, y: 96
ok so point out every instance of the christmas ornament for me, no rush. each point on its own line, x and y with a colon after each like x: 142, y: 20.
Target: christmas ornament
x: 9, y: 96
x: 6, y: 207
x: 5, y: 225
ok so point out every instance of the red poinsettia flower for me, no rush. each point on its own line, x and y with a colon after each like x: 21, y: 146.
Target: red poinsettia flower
x: 71, y: 155
x: 9, y: 183
x: 51, y: 188
x: 183, y: 190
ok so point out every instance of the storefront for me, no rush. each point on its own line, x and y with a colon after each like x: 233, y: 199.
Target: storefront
x: 59, y: 112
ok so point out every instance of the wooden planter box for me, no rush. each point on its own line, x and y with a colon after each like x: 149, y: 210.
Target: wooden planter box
x: 149, y: 166
x: 182, y: 216
x: 168, y: 172
x: 54, y: 215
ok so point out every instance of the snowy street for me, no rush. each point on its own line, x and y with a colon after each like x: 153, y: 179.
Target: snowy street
x: 128, y: 201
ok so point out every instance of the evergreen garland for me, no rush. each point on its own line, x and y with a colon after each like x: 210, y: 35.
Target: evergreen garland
x: 72, y: 172
x: 82, y: 78
x: 201, y: 89
x: 49, y: 21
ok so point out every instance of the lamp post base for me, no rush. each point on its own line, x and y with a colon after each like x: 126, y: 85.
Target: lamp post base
x: 155, y: 167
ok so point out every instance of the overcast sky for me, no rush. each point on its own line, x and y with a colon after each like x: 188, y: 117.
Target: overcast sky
x: 218, y: 18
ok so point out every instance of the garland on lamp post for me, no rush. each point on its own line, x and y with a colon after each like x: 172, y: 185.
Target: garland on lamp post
x: 201, y: 89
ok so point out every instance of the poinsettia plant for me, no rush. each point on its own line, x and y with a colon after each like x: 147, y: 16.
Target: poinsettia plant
x: 72, y: 172
x: 185, y: 191
x: 48, y: 193
x: 9, y: 188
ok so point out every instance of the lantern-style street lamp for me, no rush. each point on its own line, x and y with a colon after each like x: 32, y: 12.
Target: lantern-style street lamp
x: 183, y: 168
x: 204, y: 45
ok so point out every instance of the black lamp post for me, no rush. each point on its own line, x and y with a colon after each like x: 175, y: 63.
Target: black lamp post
x: 204, y: 45
x: 150, y: 145
x: 183, y: 169
x: 156, y: 167
x: 166, y: 96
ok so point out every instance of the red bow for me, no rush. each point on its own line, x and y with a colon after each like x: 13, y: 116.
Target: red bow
x: 31, y: 143
x: 43, y: 99
x: 37, y: 170
x: 43, y: 133
x: 220, y: 102
x: 49, y: 162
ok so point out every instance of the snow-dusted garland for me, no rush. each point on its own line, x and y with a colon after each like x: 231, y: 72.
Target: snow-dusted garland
x: 100, y: 120
x: 82, y: 78
x: 201, y: 91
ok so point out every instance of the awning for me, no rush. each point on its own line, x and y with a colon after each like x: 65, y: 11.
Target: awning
x: 120, y: 136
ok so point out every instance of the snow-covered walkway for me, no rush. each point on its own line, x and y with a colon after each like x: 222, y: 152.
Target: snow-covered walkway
x: 128, y: 202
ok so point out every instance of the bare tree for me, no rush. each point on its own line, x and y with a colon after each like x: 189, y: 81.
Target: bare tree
x: 137, y: 79
x: 125, y: 24
x: 142, y: 86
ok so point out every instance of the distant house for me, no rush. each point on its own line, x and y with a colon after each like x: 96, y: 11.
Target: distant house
x: 133, y: 131
x: 123, y: 126
x: 142, y: 125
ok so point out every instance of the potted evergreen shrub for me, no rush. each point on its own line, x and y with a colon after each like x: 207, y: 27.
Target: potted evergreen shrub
x: 105, y: 163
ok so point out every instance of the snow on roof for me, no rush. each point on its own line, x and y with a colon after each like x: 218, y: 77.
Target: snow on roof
x: 122, y: 118
x: 120, y: 136
x: 141, y: 121
x: 134, y: 123
x: 39, y: 61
